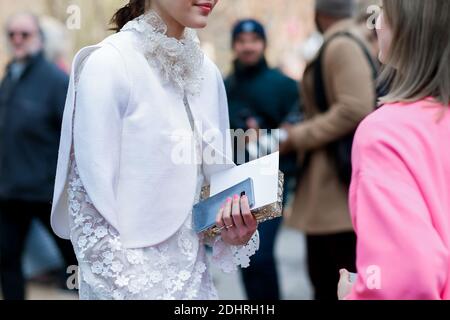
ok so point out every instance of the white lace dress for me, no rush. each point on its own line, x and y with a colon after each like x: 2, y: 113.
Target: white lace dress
x: 175, y: 269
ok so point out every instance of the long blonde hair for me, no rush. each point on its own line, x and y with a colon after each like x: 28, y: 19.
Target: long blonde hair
x: 418, y: 63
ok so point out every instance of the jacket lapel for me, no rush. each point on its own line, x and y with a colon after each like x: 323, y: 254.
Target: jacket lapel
x: 216, y: 144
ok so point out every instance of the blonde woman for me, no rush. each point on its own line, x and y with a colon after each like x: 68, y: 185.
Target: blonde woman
x: 400, y: 193
x: 124, y: 193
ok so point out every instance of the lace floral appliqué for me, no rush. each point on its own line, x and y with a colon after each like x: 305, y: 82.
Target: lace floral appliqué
x: 175, y: 269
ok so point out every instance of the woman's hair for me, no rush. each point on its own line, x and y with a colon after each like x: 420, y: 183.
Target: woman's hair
x: 418, y: 62
x: 132, y: 10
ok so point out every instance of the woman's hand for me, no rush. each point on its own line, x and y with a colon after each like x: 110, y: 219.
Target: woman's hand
x: 344, y: 285
x: 237, y: 222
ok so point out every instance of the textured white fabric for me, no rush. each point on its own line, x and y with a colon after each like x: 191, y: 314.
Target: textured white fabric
x: 128, y: 125
x: 175, y: 269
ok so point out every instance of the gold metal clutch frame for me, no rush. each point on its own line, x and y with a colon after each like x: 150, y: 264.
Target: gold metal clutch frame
x: 266, y: 213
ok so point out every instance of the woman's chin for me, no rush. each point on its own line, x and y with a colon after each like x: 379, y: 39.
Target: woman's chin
x: 198, y: 22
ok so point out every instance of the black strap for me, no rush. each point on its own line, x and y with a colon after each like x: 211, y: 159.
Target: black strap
x: 339, y: 151
x: 319, y: 84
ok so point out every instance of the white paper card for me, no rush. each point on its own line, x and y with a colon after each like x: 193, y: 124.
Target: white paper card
x: 264, y: 173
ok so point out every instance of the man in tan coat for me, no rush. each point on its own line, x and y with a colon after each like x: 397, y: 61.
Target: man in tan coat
x: 320, y: 208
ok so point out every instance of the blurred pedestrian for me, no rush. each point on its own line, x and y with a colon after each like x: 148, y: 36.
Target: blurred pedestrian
x: 338, y: 93
x: 260, y: 97
x: 41, y: 260
x: 32, y: 97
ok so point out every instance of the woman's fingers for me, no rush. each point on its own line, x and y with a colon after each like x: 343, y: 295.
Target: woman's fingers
x: 236, y: 220
x: 344, y: 285
x: 249, y: 219
x: 227, y: 218
x: 236, y: 214
x: 224, y: 219
x: 219, y: 219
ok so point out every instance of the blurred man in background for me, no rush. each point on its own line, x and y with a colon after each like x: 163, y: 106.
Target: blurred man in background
x: 32, y: 98
x: 42, y: 262
x: 338, y: 93
x: 260, y: 98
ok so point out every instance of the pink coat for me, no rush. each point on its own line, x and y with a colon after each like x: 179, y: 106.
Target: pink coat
x: 400, y: 203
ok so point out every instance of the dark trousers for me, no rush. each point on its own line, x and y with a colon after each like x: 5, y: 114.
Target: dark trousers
x: 261, y: 278
x: 15, y: 221
x: 327, y: 254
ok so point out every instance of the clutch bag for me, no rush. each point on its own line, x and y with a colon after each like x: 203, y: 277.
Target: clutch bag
x: 263, y: 214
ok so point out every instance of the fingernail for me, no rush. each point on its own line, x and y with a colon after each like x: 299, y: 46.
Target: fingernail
x: 229, y: 199
x: 236, y: 197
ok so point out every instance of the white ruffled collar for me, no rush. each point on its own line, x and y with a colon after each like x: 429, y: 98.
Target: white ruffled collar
x: 179, y: 62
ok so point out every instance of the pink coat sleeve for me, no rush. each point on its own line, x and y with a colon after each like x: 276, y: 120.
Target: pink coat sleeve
x: 399, y: 253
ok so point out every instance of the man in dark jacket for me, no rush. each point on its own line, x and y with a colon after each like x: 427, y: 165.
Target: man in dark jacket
x: 32, y: 98
x: 260, y: 98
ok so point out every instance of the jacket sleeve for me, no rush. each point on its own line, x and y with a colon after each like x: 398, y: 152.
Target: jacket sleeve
x: 399, y: 252
x: 352, y: 84
x: 102, y: 96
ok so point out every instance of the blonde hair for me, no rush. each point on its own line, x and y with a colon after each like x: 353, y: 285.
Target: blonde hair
x: 418, y: 64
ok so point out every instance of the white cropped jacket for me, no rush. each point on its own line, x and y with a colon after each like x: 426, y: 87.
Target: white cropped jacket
x: 125, y: 128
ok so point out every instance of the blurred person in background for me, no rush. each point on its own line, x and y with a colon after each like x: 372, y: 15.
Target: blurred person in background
x: 32, y: 97
x: 338, y: 93
x: 399, y: 195
x: 42, y: 262
x: 260, y: 97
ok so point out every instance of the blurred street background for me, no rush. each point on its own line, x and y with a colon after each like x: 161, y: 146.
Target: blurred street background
x: 288, y: 22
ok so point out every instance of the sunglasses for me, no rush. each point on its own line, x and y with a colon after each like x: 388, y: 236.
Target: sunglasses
x: 23, y: 34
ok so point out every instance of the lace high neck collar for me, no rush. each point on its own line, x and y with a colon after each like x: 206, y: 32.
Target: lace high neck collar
x: 179, y: 62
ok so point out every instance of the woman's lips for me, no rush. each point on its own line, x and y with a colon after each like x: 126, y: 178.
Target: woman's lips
x: 205, y: 7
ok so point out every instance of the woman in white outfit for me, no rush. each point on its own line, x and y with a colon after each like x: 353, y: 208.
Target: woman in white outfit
x: 145, y: 126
